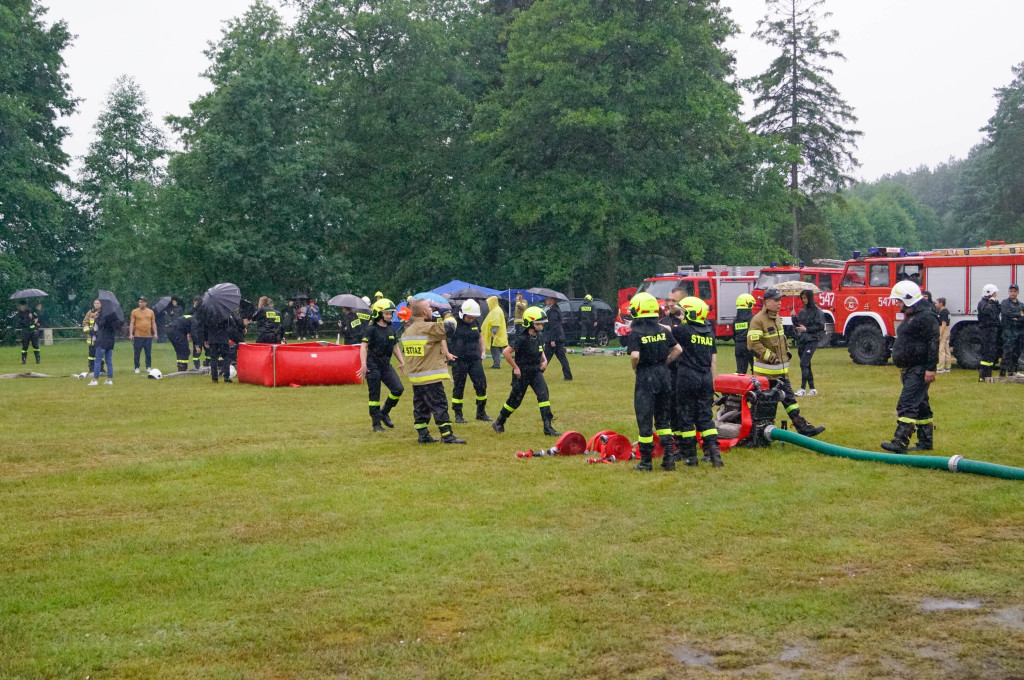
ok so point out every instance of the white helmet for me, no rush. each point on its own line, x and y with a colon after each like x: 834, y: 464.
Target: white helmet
x: 155, y: 374
x: 989, y: 290
x: 366, y: 299
x: 469, y: 308
x: 907, y: 291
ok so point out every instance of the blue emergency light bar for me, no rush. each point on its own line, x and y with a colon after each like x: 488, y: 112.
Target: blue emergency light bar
x: 887, y: 252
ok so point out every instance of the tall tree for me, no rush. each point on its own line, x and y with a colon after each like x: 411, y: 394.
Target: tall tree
x: 796, y: 102
x: 1005, y: 138
x: 33, y: 93
x: 124, y: 250
x: 616, y: 145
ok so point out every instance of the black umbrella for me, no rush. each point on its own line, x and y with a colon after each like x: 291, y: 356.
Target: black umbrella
x: 110, y: 305
x: 299, y: 296
x: 469, y: 294
x: 162, y: 304
x: 547, y: 292
x: 221, y: 300
x: 350, y: 301
x: 27, y: 293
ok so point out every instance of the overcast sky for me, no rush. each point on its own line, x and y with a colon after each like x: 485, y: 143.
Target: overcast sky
x: 920, y: 74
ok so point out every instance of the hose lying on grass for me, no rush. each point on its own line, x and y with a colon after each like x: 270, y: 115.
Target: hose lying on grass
x: 953, y: 463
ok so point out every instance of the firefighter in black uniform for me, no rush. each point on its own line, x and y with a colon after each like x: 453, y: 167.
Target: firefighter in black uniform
x: 351, y: 326
x: 651, y: 347
x: 588, y: 321
x: 1012, y: 312
x: 988, y: 324
x: 740, y: 326
x: 916, y: 353
x: 196, y: 333
x: 25, y: 320
x: 379, y: 343
x: 672, y: 319
x: 526, y: 357
x: 695, y: 386
x: 216, y: 338
x: 809, y: 324
x: 554, y: 337
x: 179, y: 332
x: 467, y: 344
x: 268, y: 322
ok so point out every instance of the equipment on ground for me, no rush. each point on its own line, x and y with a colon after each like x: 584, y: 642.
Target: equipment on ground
x: 571, y: 443
x: 156, y: 374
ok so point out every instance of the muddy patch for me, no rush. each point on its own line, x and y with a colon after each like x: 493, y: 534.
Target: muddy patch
x: 691, y: 656
x: 1010, y: 617
x: 934, y: 604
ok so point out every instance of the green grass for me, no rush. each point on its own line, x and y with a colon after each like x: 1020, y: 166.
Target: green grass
x: 179, y: 529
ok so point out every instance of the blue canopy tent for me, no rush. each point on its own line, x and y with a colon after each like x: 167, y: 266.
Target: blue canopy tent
x: 456, y: 284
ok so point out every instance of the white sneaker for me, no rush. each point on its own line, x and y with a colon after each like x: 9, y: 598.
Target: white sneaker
x: 93, y: 383
x: 812, y: 393
x: 800, y: 392
x: 136, y: 371
x: 108, y: 381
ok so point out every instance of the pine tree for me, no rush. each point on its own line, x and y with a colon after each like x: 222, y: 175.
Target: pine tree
x: 795, y: 102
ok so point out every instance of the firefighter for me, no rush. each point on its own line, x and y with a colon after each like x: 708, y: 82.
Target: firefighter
x: 554, y: 337
x: 588, y: 321
x: 179, y: 332
x: 695, y: 386
x: 379, y: 342
x: 90, y: 330
x: 526, y: 357
x: 988, y: 324
x: 672, y: 319
x: 809, y: 324
x: 916, y: 353
x: 376, y: 296
x: 351, y: 326
x: 25, y: 320
x: 467, y: 346
x: 651, y: 348
x: 268, y: 322
x: 740, y: 325
x: 196, y: 333
x: 766, y: 340
x: 1012, y: 313
x: 425, y: 345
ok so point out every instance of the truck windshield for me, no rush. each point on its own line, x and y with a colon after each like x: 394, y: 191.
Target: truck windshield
x: 661, y: 289
x: 768, y: 279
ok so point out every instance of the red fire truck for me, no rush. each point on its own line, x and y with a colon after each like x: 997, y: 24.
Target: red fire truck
x: 868, y: 318
x: 717, y: 285
x: 826, y: 278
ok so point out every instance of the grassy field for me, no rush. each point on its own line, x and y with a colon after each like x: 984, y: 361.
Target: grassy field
x: 180, y: 529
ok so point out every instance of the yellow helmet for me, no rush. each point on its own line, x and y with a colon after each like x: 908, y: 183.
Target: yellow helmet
x: 643, y: 306
x: 588, y: 297
x: 745, y: 301
x: 695, y: 309
x: 380, y: 306
x: 534, y: 315
x: 378, y: 295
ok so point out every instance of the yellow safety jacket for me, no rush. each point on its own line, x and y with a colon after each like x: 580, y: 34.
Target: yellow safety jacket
x: 766, y: 339
x: 425, y: 362
x: 494, y: 328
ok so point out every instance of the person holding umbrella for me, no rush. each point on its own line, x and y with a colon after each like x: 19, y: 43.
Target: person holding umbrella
x: 218, y: 316
x: 142, y: 332
x: 107, y: 329
x: 25, y: 321
x: 90, y: 329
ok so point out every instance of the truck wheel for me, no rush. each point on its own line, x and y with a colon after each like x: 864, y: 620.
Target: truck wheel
x: 967, y: 348
x: 867, y: 346
x: 602, y: 338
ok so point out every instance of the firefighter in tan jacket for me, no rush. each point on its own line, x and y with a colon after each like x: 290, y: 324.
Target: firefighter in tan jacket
x: 767, y: 342
x: 425, y: 345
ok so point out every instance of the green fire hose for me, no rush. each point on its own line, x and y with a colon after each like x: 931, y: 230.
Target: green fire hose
x: 953, y: 463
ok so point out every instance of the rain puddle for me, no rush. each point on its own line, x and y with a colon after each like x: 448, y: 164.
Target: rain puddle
x: 932, y: 604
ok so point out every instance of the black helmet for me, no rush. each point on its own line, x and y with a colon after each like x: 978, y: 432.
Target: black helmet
x: 772, y: 294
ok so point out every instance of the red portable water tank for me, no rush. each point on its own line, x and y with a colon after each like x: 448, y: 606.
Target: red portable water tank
x: 304, y: 363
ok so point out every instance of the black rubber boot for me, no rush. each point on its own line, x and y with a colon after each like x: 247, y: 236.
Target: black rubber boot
x: 450, y: 438
x: 924, y: 438
x: 711, y: 451
x: 549, y: 430
x: 386, y: 409
x: 803, y: 427
x: 458, y: 413
x: 499, y: 424
x: 37, y: 357
x: 901, y: 439
x: 425, y: 437
x: 646, y: 454
x: 481, y: 411
x: 688, y: 452
x: 23, y: 357
x: 668, y: 458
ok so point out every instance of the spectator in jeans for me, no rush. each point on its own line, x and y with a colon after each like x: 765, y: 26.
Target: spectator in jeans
x: 107, y: 328
x: 142, y: 332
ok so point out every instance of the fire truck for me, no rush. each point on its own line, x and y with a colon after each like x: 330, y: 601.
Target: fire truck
x: 867, y: 317
x: 717, y: 285
x: 825, y: 277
